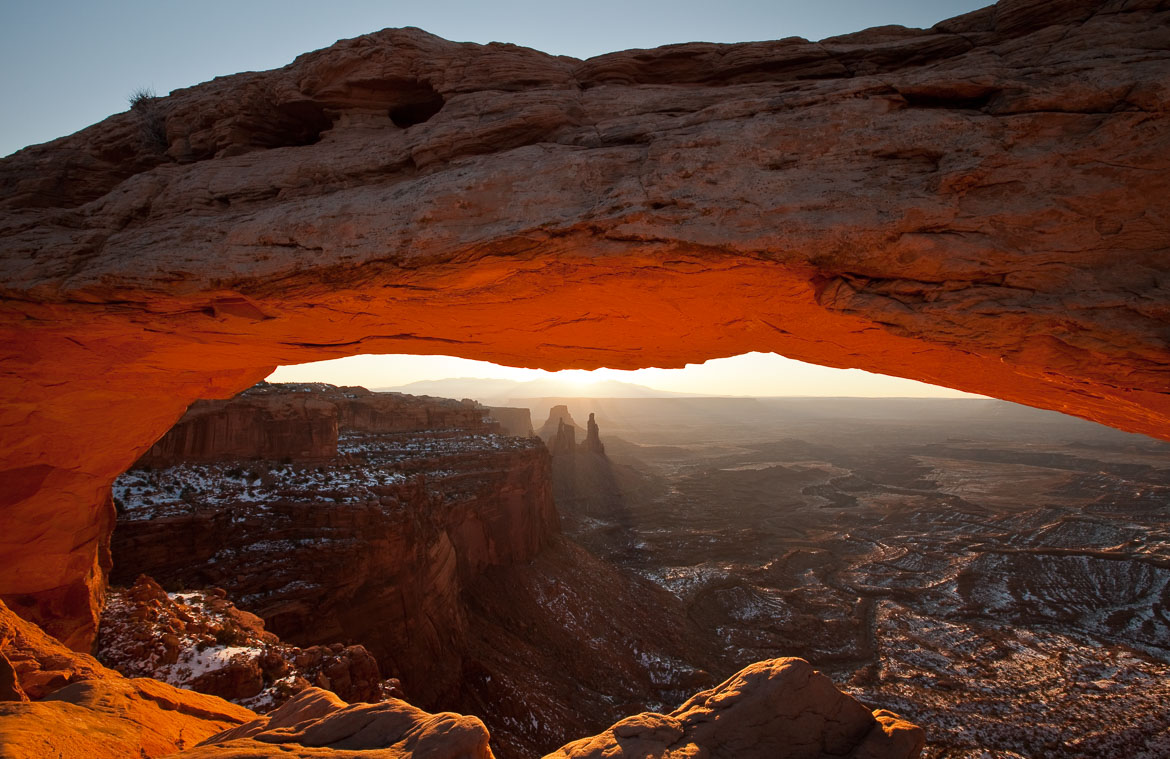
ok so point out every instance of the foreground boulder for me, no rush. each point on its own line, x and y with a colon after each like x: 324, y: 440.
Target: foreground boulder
x: 316, y: 721
x: 36, y: 664
x: 777, y: 708
x: 86, y: 710
x: 114, y: 718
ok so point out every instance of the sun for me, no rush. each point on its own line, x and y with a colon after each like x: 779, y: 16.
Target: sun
x: 578, y: 377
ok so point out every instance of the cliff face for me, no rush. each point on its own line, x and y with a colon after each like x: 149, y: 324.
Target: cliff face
x: 513, y: 421
x: 393, y: 532
x: 365, y: 411
x: 250, y: 427
x: 560, y: 422
x: 981, y: 205
x: 394, y: 526
x: 301, y: 421
x: 585, y: 481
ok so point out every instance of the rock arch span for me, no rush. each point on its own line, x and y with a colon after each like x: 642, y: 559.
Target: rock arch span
x: 983, y: 205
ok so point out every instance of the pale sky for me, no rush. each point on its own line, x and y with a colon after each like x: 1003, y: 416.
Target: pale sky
x: 752, y: 374
x: 70, y: 63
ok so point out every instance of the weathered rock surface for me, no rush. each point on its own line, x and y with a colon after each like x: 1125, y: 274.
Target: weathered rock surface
x: 201, y: 641
x: 114, y: 718
x: 981, y: 205
x: 301, y: 421
x: 80, y: 708
x: 781, y: 707
x: 393, y: 529
x: 318, y: 724
x: 40, y: 664
x: 262, y: 427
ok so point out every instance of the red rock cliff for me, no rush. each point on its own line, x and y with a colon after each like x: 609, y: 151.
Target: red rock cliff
x: 393, y: 530
x: 250, y: 427
x: 984, y: 205
x: 301, y: 421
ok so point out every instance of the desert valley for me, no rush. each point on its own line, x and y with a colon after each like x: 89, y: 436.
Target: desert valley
x: 999, y: 576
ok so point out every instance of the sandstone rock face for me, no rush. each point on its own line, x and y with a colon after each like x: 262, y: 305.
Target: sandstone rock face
x: 558, y: 417
x: 261, y: 427
x: 201, y: 641
x: 301, y: 421
x: 318, y: 724
x: 981, y: 205
x: 365, y: 411
x: 80, y: 708
x: 775, y: 708
x: 40, y: 664
x: 114, y: 718
x: 513, y: 421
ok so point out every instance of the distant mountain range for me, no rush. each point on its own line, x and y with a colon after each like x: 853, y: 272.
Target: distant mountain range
x: 500, y: 391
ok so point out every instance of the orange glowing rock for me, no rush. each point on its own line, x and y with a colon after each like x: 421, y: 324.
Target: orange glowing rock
x: 983, y: 205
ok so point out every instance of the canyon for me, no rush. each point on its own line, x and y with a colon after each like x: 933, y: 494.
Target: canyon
x: 981, y: 205
x: 427, y: 550
x: 997, y: 575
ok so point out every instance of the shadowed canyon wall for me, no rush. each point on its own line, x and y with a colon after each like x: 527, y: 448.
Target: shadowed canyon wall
x: 984, y: 205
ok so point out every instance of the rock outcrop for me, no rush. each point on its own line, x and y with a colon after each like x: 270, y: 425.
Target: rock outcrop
x: 201, y: 641
x: 393, y: 528
x: 981, y: 205
x: 774, y: 708
x: 317, y: 725
x: 80, y: 708
x: 513, y: 421
x: 592, y: 442
x: 585, y: 481
x: 39, y: 664
x: 248, y: 426
x: 301, y: 421
x: 558, y: 418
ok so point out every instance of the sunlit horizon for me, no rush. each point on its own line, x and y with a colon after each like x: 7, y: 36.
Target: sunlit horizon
x: 747, y: 375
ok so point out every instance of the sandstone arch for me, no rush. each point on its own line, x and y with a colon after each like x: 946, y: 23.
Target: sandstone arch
x: 982, y: 205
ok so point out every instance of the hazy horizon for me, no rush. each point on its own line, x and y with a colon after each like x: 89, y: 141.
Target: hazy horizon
x: 751, y: 375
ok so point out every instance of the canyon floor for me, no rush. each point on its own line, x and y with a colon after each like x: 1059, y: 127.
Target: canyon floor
x: 997, y: 575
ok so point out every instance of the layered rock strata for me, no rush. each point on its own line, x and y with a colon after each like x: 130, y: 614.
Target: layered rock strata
x: 301, y: 421
x: 201, y: 641
x: 394, y: 528
x: 513, y: 421
x: 981, y: 205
